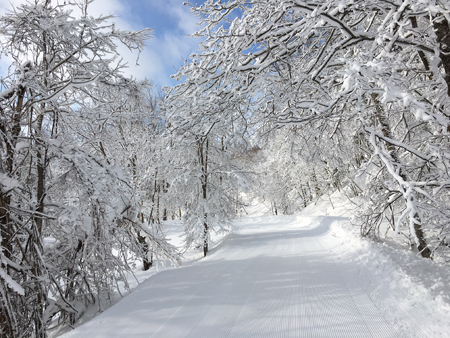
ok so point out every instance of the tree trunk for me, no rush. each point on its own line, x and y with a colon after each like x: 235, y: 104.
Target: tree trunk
x: 203, y: 157
x: 205, y: 238
x: 40, y: 166
x: 385, y: 129
x: 146, y: 261
x: 442, y: 30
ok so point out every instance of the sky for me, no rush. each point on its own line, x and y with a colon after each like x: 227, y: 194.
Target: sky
x: 164, y: 53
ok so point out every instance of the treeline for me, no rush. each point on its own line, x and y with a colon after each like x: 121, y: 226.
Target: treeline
x: 340, y: 90
x: 92, y: 162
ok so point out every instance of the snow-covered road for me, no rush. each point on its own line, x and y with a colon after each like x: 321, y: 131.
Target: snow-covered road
x: 273, y: 277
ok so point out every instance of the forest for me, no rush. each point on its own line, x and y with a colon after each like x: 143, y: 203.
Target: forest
x: 285, y: 101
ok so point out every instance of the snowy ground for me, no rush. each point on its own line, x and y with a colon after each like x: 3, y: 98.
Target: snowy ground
x: 306, y: 275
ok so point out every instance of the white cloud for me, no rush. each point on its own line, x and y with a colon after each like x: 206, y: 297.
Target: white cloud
x: 165, y: 51
x: 187, y: 21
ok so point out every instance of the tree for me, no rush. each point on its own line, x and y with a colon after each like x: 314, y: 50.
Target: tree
x: 205, y: 147
x: 68, y: 214
x: 293, y: 173
x: 380, y: 69
x: 134, y: 141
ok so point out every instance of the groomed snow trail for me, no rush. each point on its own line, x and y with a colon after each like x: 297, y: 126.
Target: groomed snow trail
x: 273, y: 277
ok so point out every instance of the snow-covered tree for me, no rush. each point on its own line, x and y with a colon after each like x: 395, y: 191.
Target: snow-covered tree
x: 134, y: 141
x: 292, y: 173
x: 207, y: 134
x: 68, y: 211
x: 380, y: 69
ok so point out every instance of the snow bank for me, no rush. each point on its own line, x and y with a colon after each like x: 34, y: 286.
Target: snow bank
x: 418, y: 286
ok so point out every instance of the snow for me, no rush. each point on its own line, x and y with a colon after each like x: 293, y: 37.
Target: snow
x: 305, y: 275
x: 7, y: 183
x: 11, y: 283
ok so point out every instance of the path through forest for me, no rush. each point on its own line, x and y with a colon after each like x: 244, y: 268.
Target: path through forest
x: 273, y: 277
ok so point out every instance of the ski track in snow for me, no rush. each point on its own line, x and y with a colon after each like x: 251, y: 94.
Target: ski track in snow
x: 273, y: 277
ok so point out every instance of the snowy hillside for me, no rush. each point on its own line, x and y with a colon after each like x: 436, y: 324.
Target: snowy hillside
x: 305, y: 275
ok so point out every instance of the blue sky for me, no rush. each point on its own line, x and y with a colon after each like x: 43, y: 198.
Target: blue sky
x: 171, y: 22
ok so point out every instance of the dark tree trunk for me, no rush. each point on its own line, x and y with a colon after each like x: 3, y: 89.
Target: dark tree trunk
x: 203, y: 157
x: 145, y: 259
x: 205, y: 239
x: 9, y: 132
x: 385, y: 129
x: 442, y: 29
x: 41, y: 164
